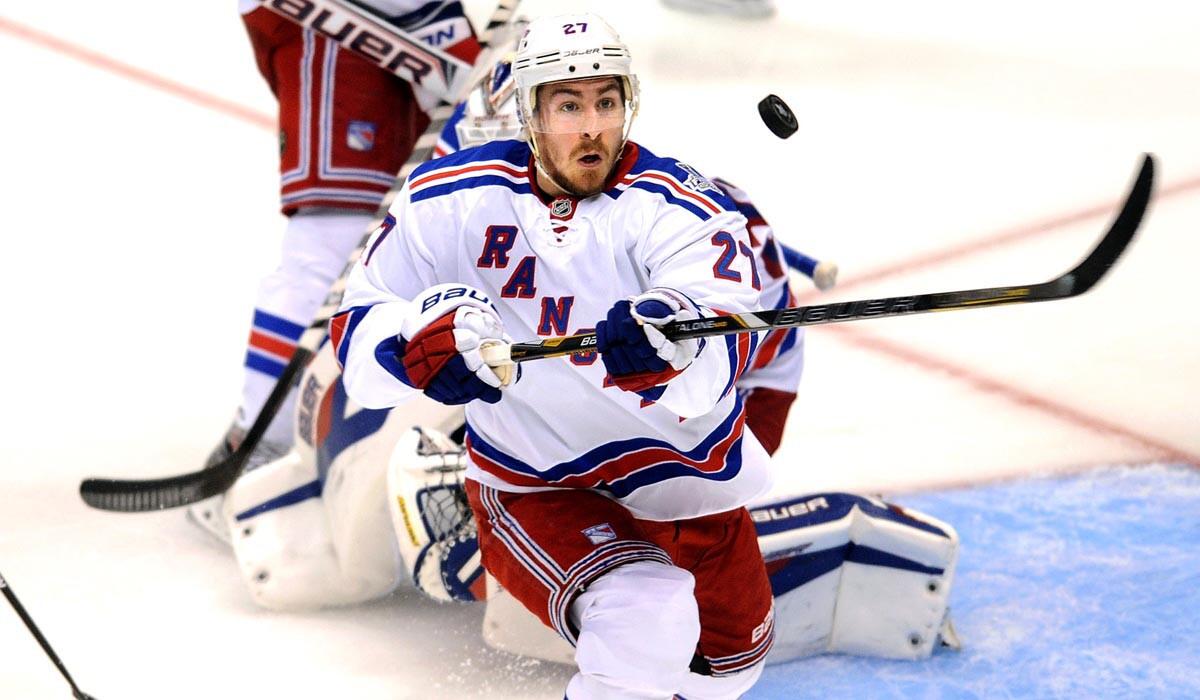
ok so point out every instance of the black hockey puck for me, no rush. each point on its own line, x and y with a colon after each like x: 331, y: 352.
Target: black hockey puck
x: 778, y: 117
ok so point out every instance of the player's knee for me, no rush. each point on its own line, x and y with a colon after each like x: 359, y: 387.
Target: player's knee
x: 730, y: 686
x: 638, y: 628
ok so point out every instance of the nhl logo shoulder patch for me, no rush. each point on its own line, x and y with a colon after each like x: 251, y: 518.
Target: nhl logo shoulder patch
x: 599, y: 534
x: 695, y: 181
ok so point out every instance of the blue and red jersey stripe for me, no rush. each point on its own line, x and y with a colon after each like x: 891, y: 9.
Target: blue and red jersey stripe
x: 623, y: 466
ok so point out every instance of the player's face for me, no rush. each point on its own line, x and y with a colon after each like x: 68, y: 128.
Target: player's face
x: 579, y: 126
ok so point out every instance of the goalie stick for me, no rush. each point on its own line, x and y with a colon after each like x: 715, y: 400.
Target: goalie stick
x: 141, y: 495
x: 1078, y: 280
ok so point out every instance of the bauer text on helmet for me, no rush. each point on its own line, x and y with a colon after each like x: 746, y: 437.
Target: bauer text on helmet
x: 571, y: 47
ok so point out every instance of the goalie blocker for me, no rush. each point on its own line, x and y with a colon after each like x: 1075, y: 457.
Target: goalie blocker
x: 368, y: 499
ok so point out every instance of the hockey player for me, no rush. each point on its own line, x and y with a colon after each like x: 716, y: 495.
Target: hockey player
x: 609, y: 489
x: 279, y: 581
x: 345, y: 128
x: 769, y: 385
x: 313, y: 529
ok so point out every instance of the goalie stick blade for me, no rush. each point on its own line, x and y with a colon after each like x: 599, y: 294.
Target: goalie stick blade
x: 1078, y: 280
x: 141, y: 495
x: 134, y: 496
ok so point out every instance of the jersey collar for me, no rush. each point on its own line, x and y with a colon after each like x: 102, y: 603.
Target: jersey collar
x: 563, y: 207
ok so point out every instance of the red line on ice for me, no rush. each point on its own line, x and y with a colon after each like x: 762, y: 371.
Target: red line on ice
x: 137, y: 75
x: 1024, y: 398
x: 1013, y: 235
x: 910, y: 356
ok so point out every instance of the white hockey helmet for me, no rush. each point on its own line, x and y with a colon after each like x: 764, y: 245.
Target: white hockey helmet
x: 572, y: 47
x: 490, y: 113
x: 491, y: 110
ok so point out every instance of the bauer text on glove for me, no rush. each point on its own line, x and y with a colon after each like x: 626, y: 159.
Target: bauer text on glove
x: 438, y: 349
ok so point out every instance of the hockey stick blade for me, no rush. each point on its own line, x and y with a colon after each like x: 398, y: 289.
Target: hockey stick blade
x: 141, y: 495
x: 1078, y: 280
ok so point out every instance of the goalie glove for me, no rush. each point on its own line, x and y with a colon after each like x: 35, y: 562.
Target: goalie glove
x: 440, y: 343
x: 634, y: 351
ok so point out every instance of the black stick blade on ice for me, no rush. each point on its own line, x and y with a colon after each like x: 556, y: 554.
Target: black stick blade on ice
x: 141, y: 495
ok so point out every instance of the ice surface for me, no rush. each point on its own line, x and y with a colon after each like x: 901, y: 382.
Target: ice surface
x: 1082, y: 586
x: 942, y: 146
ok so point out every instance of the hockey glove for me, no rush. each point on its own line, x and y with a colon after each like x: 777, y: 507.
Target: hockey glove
x: 440, y: 342
x: 636, y: 354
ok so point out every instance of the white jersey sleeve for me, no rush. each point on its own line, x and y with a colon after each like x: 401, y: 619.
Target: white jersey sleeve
x: 779, y: 359
x: 706, y: 261
x: 396, y: 266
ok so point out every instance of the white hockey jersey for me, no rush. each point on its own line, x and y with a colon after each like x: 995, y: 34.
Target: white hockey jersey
x: 555, y: 268
x: 779, y: 360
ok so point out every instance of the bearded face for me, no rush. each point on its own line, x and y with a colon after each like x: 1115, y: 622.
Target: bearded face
x: 579, y: 131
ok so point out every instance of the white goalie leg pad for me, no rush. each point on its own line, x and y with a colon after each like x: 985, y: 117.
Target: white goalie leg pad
x: 288, y: 553
x: 855, y: 575
x: 909, y: 558
x: 312, y: 529
x: 432, y: 521
x: 360, y: 525
x: 509, y: 626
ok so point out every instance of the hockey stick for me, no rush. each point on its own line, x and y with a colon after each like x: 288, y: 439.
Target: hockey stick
x: 141, y: 495
x: 1072, y: 283
x: 37, y: 634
